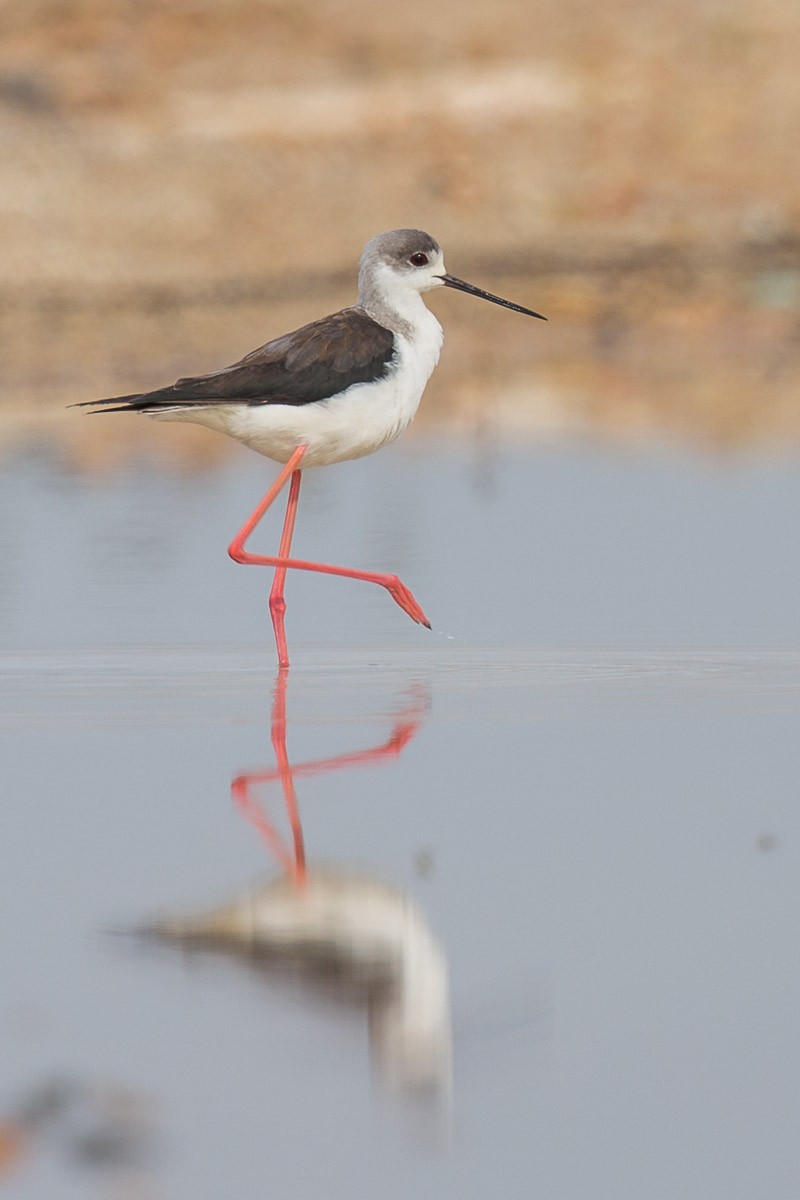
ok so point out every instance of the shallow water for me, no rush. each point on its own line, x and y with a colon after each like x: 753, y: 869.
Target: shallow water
x: 585, y: 780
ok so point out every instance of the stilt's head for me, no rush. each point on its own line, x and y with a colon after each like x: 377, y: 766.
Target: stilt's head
x: 405, y: 261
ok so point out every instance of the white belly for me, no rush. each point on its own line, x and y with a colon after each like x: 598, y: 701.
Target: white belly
x: 350, y: 425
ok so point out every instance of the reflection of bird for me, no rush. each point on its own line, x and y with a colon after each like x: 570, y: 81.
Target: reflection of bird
x: 356, y: 938
x: 336, y: 389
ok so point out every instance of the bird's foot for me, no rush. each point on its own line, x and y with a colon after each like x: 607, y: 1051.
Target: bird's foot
x: 402, y: 596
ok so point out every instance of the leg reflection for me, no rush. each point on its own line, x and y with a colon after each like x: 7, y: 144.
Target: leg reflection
x: 407, y: 723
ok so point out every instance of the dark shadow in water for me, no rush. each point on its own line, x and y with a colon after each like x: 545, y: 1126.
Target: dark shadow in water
x: 84, y: 1124
x: 347, y: 937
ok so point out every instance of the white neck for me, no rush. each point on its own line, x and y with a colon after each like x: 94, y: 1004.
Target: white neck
x: 387, y: 298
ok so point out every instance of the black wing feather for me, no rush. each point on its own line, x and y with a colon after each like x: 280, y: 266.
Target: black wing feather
x: 313, y: 363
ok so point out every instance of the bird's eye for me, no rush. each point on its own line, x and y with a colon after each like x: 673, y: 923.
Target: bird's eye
x: 419, y: 259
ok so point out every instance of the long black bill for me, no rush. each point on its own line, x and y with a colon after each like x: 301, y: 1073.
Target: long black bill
x: 451, y: 281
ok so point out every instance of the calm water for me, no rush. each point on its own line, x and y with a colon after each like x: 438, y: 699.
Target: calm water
x: 582, y: 785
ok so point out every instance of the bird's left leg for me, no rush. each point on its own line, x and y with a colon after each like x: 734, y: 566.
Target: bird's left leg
x: 277, y: 604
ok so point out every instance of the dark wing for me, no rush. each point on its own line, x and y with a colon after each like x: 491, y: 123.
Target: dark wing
x: 314, y: 362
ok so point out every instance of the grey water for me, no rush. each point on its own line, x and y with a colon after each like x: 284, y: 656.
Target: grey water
x: 596, y: 809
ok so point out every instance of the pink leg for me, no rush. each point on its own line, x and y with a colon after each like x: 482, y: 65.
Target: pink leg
x: 395, y: 587
x: 295, y: 863
x: 277, y: 604
x: 407, y: 724
x: 236, y: 550
x: 286, y: 776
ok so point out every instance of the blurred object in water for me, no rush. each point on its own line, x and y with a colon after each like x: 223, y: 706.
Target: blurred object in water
x: 99, y: 1125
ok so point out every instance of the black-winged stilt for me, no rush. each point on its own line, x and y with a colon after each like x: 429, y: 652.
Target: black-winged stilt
x: 333, y: 390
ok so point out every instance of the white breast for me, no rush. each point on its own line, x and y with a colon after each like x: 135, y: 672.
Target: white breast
x: 350, y: 425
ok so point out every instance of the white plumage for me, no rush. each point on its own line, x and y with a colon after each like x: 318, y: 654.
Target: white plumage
x: 355, y: 422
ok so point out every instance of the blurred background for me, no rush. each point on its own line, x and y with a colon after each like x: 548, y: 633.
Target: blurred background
x: 182, y: 182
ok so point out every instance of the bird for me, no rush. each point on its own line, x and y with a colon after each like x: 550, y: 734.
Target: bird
x: 334, y: 390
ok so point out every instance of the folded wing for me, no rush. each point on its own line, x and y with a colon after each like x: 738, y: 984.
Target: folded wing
x: 315, y: 362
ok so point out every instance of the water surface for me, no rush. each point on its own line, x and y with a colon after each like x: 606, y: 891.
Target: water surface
x: 585, y: 780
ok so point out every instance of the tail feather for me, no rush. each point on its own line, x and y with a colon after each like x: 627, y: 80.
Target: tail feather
x: 158, y: 401
x: 113, y: 403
